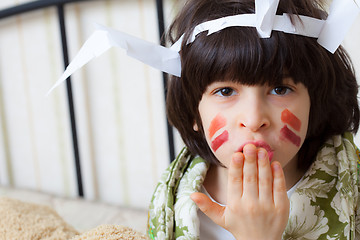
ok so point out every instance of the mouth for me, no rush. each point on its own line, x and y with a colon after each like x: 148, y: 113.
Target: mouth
x: 259, y: 144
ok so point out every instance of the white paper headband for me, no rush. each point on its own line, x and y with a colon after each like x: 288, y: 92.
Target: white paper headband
x: 329, y: 33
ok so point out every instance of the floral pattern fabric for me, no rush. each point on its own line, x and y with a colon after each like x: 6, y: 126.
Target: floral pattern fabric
x: 323, y: 206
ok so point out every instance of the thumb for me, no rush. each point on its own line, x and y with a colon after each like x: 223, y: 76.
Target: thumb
x: 211, y: 209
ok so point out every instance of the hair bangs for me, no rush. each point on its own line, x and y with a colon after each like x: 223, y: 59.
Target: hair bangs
x: 234, y: 54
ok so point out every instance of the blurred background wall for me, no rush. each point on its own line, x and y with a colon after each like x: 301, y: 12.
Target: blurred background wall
x: 119, y: 104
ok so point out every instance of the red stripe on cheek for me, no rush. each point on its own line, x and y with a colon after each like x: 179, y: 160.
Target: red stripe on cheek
x: 290, y: 135
x: 217, y: 123
x: 220, y: 140
x: 289, y: 118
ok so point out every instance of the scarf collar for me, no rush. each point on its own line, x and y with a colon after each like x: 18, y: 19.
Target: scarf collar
x: 323, y: 206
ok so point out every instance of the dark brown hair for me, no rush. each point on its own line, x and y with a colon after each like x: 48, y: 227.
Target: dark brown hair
x: 238, y: 54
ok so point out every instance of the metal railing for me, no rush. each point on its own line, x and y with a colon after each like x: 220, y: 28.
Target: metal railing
x: 59, y: 4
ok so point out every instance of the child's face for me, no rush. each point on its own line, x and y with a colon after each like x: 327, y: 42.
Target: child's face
x: 275, y: 118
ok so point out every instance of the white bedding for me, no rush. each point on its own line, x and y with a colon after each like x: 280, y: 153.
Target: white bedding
x: 83, y: 215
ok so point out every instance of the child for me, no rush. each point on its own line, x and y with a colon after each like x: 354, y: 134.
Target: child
x: 265, y: 102
x: 266, y: 124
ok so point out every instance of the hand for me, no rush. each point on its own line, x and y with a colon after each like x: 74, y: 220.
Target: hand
x: 257, y: 203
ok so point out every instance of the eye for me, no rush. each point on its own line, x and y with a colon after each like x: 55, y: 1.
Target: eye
x: 225, y: 92
x: 281, y: 90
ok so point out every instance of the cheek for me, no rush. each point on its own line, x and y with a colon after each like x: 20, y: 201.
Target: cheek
x: 216, y: 124
x: 286, y: 134
x: 220, y: 140
x: 289, y: 118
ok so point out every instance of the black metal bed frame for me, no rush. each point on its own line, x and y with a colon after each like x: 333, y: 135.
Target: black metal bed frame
x: 59, y: 4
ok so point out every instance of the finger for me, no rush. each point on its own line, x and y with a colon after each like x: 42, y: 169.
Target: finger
x: 211, y: 209
x: 279, y: 185
x: 235, y: 178
x: 265, y: 177
x: 250, y: 172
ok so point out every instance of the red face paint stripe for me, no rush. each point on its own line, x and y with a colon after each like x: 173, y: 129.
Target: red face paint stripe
x: 217, y: 123
x: 291, y: 119
x: 290, y: 135
x: 219, y: 140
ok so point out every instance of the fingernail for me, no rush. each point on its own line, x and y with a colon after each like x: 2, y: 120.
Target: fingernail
x: 261, y: 154
x: 277, y: 166
x: 237, y: 158
x: 250, y: 150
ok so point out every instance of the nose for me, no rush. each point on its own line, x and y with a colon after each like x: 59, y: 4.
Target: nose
x: 254, y: 115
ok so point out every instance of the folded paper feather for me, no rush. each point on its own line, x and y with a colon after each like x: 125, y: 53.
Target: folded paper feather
x: 329, y: 33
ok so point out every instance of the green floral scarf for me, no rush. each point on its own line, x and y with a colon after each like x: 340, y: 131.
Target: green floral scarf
x: 323, y: 206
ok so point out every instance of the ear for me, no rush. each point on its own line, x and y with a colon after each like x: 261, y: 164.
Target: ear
x: 195, y: 127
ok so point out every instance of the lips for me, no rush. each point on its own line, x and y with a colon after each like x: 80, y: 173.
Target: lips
x: 259, y: 144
